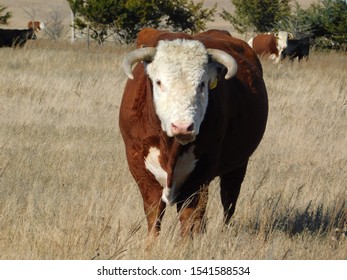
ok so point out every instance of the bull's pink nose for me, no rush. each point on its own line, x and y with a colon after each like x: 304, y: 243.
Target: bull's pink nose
x: 182, y: 128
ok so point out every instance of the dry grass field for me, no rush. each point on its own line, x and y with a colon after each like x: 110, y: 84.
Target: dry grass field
x: 66, y: 192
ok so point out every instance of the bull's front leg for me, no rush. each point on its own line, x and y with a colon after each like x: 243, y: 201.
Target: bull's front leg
x: 192, y: 211
x: 154, y: 207
x: 150, y: 189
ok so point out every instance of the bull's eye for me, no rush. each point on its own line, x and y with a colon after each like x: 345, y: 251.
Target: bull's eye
x: 158, y: 82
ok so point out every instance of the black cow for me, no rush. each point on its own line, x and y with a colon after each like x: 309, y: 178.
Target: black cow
x: 299, y: 48
x: 15, y: 37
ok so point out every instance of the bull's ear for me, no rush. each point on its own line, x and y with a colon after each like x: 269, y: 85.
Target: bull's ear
x: 145, y: 63
x: 225, y: 59
x: 214, y: 74
x: 146, y: 66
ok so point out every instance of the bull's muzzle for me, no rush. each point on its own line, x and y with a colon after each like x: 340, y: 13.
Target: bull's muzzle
x: 183, y: 132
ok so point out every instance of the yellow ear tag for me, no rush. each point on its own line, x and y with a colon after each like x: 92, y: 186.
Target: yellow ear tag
x: 213, y: 83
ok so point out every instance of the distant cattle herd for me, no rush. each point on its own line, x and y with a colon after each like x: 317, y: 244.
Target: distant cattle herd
x: 18, y: 37
x: 278, y: 46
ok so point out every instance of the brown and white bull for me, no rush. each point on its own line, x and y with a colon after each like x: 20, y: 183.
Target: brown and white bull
x: 36, y: 25
x: 270, y: 44
x: 195, y: 109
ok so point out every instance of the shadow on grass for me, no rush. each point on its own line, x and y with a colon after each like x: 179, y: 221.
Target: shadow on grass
x: 319, y: 219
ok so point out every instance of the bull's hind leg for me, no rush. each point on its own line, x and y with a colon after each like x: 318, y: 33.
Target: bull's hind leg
x: 192, y: 212
x: 230, y: 184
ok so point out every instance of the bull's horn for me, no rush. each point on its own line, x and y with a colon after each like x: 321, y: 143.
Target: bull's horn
x: 142, y: 54
x: 225, y: 59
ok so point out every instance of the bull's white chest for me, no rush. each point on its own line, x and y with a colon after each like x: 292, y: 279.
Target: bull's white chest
x: 184, y: 167
x: 153, y: 165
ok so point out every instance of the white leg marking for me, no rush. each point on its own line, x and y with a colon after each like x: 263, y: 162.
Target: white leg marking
x: 153, y: 165
x: 184, y: 166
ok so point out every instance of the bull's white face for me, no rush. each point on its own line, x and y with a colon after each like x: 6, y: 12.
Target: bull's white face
x: 42, y: 26
x: 282, y: 38
x: 180, y: 76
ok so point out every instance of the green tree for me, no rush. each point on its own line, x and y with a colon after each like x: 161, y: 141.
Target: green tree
x: 4, y: 17
x: 186, y: 15
x: 329, y: 18
x: 297, y: 23
x: 325, y: 22
x: 123, y: 19
x: 258, y: 15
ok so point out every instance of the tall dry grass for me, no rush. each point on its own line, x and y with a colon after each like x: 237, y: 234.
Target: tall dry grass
x: 65, y: 189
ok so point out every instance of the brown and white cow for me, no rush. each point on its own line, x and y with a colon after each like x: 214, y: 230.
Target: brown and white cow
x: 270, y: 44
x: 36, y: 25
x: 195, y: 109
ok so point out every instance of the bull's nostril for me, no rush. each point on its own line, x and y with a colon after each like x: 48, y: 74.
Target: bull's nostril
x: 182, y: 128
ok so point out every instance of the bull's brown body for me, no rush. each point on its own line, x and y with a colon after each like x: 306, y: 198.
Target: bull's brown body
x: 233, y: 126
x: 265, y: 45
